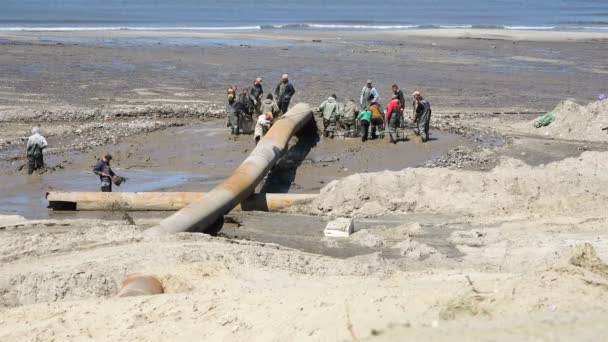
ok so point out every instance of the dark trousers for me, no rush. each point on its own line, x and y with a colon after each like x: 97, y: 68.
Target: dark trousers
x: 34, y: 163
x: 377, y: 124
x: 329, y: 126
x: 422, y: 126
x: 283, y: 106
x: 106, y: 187
x: 364, y: 130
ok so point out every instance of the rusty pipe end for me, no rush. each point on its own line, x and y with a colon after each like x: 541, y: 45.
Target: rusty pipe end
x: 140, y: 285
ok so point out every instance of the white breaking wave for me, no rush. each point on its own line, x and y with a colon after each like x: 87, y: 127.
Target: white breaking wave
x: 371, y: 27
x: 117, y: 28
x: 295, y: 27
x: 528, y: 28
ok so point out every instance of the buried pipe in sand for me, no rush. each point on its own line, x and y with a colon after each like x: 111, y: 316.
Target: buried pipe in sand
x: 140, y: 285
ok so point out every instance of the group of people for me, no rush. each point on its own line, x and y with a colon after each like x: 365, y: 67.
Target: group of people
x: 372, y: 118
x: 36, y: 143
x: 250, y: 112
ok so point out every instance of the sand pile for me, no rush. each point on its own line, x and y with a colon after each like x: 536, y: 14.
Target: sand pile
x: 574, y: 185
x: 576, y: 122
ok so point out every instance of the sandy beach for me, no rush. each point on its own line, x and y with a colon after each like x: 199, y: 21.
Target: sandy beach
x: 492, y: 230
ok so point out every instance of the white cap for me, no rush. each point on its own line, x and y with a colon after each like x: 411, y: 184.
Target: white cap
x: 35, y: 130
x: 259, y: 79
x: 416, y: 93
x: 285, y: 76
x: 369, y: 81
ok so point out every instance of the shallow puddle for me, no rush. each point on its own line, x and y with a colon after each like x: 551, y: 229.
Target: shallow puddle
x: 25, y: 195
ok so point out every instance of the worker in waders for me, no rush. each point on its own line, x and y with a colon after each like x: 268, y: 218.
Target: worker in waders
x: 365, y: 119
x: 377, y: 124
x: 255, y: 93
x: 242, y: 107
x: 231, y: 97
x: 35, y: 144
x: 393, y: 117
x: 329, y: 110
x: 369, y: 94
x: 421, y: 116
x: 269, y: 105
x: 348, y: 116
x: 399, y: 93
x: 284, y: 92
x: 105, y: 173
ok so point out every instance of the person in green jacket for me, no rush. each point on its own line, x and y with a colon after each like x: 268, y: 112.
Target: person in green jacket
x: 365, y: 118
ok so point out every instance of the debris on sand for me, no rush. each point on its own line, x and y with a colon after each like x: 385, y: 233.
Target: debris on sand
x: 341, y: 227
x: 463, y: 305
x: 575, y: 122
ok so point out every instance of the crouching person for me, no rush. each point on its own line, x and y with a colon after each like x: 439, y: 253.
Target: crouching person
x: 262, y: 126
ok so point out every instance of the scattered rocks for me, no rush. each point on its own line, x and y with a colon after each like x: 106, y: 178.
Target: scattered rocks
x: 463, y: 157
x: 63, y: 113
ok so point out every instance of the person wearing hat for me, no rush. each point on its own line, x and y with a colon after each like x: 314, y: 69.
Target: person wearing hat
x: 368, y: 90
x: 105, y: 173
x: 377, y: 123
x: 231, y: 94
x: 421, y: 116
x: 269, y: 105
x: 329, y: 109
x: 262, y: 126
x: 283, y: 92
x: 35, y: 144
x: 255, y: 94
x: 348, y: 116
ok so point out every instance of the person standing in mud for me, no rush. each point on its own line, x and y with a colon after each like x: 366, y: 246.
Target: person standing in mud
x: 421, y: 116
x: 329, y: 109
x: 368, y: 92
x: 241, y: 113
x: 393, y: 118
x: 255, y: 92
x: 283, y: 92
x: 365, y: 119
x: 231, y: 96
x: 348, y: 116
x: 35, y: 144
x: 105, y: 173
x: 269, y: 105
x: 377, y: 123
x: 399, y: 93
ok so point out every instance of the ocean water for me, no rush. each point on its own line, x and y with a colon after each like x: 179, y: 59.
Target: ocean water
x: 65, y: 15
